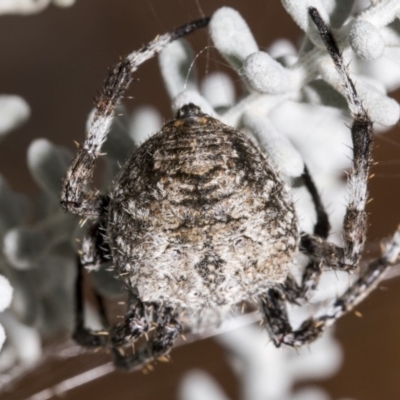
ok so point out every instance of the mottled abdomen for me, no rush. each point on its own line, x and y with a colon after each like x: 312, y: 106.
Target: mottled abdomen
x: 199, y: 217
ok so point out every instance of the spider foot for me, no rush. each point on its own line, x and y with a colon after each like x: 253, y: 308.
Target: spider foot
x: 88, y: 338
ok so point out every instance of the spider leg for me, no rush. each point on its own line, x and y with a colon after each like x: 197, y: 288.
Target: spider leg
x: 275, y: 314
x: 355, y: 220
x: 316, y: 247
x: 82, y: 335
x: 135, y: 323
x: 322, y: 225
x: 95, y: 250
x: 167, y: 331
x: 74, y: 197
x: 312, y: 272
x: 94, y: 253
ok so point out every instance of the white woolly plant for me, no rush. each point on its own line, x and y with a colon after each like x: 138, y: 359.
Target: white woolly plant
x: 30, y: 6
x: 14, y: 111
x: 291, y: 105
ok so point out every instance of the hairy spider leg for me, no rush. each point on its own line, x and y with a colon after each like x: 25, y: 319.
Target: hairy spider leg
x: 82, y: 335
x: 294, y: 292
x: 74, y: 197
x: 355, y: 220
x: 273, y: 302
x: 275, y: 313
x: 94, y: 253
x: 168, y: 329
x: 136, y: 322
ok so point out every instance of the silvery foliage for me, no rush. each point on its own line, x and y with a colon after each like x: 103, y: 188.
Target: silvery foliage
x: 292, y: 106
x: 14, y: 111
x: 265, y: 372
x: 30, y: 6
x: 23, y: 342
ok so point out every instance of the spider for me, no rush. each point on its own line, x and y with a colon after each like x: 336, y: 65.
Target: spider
x: 199, y: 219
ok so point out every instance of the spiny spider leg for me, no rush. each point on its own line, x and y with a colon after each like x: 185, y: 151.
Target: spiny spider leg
x: 275, y: 314
x: 355, y: 220
x: 135, y: 323
x: 94, y: 253
x: 355, y: 224
x: 312, y: 272
x: 82, y: 335
x: 322, y: 225
x: 74, y: 197
x: 167, y: 331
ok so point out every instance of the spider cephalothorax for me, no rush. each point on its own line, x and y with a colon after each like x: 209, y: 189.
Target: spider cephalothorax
x: 199, y: 219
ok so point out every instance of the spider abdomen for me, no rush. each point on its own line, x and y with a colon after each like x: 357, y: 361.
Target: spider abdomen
x: 199, y: 218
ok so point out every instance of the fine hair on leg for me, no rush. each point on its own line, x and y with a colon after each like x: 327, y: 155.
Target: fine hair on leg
x: 74, y: 197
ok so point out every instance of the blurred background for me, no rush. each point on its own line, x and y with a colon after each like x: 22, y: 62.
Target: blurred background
x: 57, y: 61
